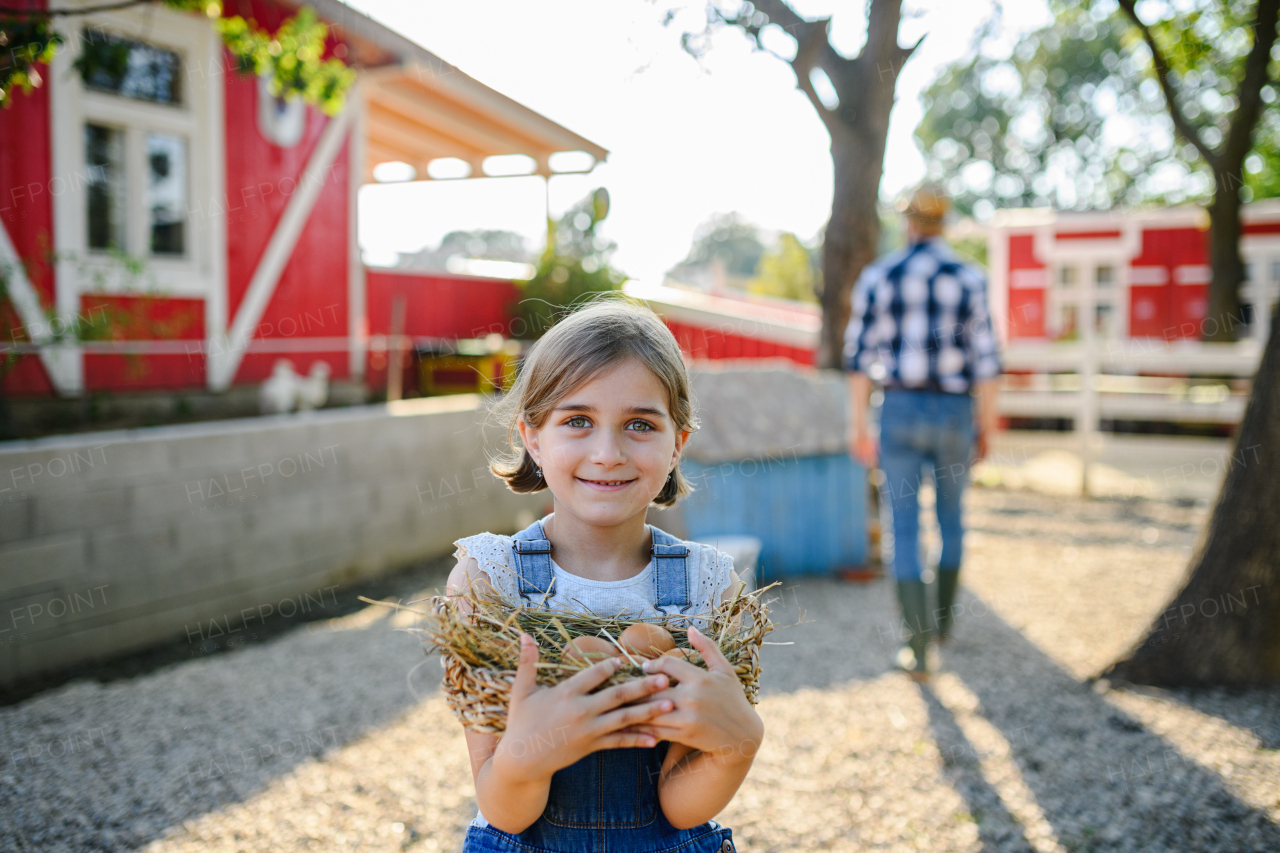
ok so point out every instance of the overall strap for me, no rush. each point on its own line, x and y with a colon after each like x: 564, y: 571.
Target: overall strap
x: 533, y: 560
x: 671, y: 574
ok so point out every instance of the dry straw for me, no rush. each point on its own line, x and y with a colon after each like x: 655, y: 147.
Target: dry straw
x: 477, y: 633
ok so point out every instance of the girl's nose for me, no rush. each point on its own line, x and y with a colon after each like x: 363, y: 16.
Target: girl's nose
x: 606, y: 450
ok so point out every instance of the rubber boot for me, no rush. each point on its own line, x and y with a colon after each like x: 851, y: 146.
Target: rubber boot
x: 948, y: 582
x: 911, y: 595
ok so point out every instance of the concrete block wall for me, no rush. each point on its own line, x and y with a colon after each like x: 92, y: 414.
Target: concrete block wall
x: 114, y: 541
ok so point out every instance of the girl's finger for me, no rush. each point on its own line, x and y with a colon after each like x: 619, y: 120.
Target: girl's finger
x: 628, y: 691
x: 671, y: 733
x: 632, y: 715
x: 591, y: 677
x: 624, y: 740
x: 527, y: 671
x: 677, y: 669
x: 716, y: 661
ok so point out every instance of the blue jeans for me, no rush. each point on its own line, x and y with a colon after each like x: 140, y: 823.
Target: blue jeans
x: 607, y: 801
x: 919, y: 428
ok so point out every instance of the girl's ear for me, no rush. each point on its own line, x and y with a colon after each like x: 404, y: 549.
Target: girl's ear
x: 682, y: 438
x: 529, y: 438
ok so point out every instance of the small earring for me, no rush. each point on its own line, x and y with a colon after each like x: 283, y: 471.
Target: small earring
x: 537, y: 470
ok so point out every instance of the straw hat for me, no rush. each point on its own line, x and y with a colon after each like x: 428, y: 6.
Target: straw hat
x: 927, y: 206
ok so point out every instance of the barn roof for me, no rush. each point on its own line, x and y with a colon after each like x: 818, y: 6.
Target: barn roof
x: 420, y: 108
x: 766, y: 409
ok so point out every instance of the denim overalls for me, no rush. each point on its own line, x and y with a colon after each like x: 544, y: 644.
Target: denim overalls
x: 607, y: 801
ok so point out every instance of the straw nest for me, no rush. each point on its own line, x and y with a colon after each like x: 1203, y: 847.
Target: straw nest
x: 477, y: 633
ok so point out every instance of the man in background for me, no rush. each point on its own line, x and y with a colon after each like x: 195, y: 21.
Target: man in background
x: 920, y: 325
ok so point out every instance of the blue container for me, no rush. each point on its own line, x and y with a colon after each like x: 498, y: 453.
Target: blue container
x: 809, y: 511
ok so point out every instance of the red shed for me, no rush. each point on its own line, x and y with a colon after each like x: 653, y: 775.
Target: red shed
x: 236, y: 210
x: 1146, y: 272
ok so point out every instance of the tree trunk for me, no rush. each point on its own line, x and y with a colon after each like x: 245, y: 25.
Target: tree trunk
x: 859, y: 129
x: 851, y: 237
x: 1222, y: 628
x: 1223, y: 313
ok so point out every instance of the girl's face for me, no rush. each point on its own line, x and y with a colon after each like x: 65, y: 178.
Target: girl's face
x: 607, y: 446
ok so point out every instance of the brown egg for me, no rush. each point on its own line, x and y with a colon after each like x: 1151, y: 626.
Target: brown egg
x: 684, y: 654
x: 647, y: 640
x: 589, y: 650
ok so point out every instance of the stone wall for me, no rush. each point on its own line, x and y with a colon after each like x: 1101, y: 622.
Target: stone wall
x: 114, y: 541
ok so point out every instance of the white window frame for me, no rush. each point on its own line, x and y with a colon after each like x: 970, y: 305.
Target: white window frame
x: 1086, y: 264
x: 201, y: 271
x: 1262, y: 252
x: 1061, y: 298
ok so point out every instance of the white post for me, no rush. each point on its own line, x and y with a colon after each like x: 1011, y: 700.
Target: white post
x: 1087, y: 422
x: 357, y: 302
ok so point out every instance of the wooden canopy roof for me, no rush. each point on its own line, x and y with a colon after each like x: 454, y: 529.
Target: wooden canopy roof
x: 420, y: 108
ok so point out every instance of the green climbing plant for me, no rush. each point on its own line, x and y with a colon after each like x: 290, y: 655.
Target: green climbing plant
x: 292, y: 57
x: 25, y: 44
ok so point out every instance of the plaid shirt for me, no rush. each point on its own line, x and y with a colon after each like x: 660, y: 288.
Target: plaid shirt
x: 923, y: 314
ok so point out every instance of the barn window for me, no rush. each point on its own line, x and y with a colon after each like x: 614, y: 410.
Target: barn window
x: 167, y: 192
x: 1066, y: 328
x: 1259, y: 293
x: 104, y: 159
x: 131, y: 69
x: 137, y: 156
x: 1104, y: 320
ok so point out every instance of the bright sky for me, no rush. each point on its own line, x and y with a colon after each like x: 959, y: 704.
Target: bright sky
x: 685, y: 141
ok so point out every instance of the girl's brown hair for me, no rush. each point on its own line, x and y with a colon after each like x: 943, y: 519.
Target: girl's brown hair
x: 574, y: 351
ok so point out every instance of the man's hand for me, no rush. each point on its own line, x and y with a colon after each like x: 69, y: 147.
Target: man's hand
x: 864, y: 448
x: 986, y: 417
x: 981, y: 445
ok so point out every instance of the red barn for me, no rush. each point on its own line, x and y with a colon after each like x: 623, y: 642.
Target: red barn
x: 199, y: 228
x: 1145, y: 273
x: 711, y: 326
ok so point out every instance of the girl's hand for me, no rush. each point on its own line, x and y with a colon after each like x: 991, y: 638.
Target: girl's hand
x: 711, y: 712
x: 549, y: 728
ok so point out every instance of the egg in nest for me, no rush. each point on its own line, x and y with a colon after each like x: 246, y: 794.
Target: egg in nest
x: 647, y: 640
x: 588, y: 650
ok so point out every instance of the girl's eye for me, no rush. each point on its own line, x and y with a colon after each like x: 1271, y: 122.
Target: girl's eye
x: 642, y: 426
x: 577, y: 421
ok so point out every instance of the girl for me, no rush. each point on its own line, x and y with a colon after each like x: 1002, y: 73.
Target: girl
x: 603, y: 410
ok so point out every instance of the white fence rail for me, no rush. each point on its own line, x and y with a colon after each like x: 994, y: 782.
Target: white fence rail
x: 1182, y: 382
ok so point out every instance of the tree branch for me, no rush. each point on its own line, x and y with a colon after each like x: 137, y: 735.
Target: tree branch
x: 24, y: 12
x: 908, y: 51
x: 1180, y: 122
x: 803, y: 66
x: 883, y: 19
x: 811, y: 40
x: 783, y: 15
x: 1240, y: 135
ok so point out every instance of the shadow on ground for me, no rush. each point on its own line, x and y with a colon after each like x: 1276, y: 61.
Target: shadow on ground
x: 110, y: 761
x: 1029, y: 749
x: 845, y: 632
x: 1256, y: 709
x: 1099, y: 777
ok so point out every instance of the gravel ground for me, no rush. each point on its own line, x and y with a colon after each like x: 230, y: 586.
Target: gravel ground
x: 334, y: 736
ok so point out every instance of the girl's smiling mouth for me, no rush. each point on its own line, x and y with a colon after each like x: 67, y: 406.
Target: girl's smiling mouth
x: 606, y: 485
